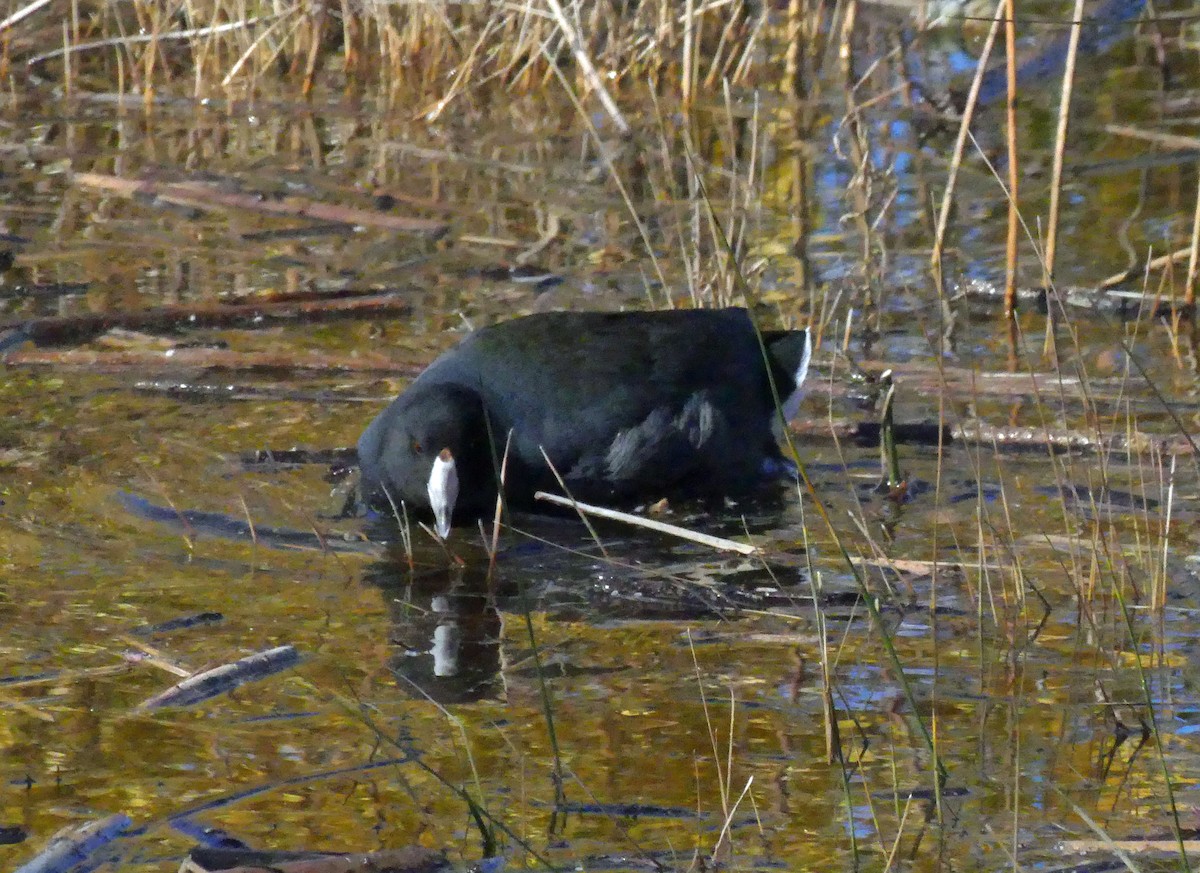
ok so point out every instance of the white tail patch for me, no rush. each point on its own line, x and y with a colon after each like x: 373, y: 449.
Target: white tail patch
x: 443, y: 491
x: 792, y: 404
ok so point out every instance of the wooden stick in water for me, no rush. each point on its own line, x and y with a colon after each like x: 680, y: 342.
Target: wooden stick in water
x: 75, y: 844
x: 226, y: 677
x: 1014, y: 219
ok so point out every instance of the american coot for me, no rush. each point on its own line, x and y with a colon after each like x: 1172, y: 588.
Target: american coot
x: 627, y: 406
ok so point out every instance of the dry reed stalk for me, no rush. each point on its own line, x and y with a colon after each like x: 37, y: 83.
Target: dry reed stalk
x: 846, y: 44
x: 716, y: 67
x: 1161, y: 262
x: 689, y: 53
x: 1173, y: 141
x: 742, y: 67
x: 793, y: 82
x: 1189, y: 292
x: 1159, y: 596
x: 23, y: 13
x: 257, y: 42
x: 124, y: 54
x: 1060, y: 144
x: 352, y: 34
x: 149, y: 38
x: 796, y: 86
x: 861, y: 184
x: 939, y: 240
x: 753, y: 183
x: 1014, y: 218
x: 150, y: 56
x: 691, y: 251
x: 315, y: 38
x: 66, y: 38
x: 579, y: 51
x: 462, y: 79
x: 703, y: 539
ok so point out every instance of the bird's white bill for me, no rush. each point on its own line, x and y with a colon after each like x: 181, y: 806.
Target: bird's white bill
x: 792, y: 404
x: 443, y: 491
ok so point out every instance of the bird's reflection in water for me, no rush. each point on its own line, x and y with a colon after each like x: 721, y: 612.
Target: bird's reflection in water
x: 446, y: 630
x: 447, y: 614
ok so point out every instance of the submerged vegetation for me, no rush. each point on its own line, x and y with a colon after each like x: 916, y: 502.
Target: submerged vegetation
x: 231, y: 227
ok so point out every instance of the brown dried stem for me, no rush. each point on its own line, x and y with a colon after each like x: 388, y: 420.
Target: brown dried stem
x: 1060, y: 143
x: 960, y: 144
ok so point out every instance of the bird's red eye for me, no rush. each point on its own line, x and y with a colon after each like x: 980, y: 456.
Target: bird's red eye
x: 415, y: 447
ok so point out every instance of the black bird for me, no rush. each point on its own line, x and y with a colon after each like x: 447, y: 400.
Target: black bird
x: 628, y: 407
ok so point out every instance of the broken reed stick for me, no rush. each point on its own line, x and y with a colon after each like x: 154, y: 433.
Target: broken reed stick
x: 23, y: 13
x: 1173, y: 141
x: 1139, y: 269
x: 153, y: 656
x: 650, y: 524
x: 205, y: 196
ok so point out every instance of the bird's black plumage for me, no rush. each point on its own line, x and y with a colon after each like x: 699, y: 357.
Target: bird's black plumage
x: 627, y: 406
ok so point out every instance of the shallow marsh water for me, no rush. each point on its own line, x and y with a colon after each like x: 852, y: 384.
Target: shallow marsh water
x: 677, y: 678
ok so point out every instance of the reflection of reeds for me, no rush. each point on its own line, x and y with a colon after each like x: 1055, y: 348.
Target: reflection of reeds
x: 939, y: 239
x: 1060, y: 144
